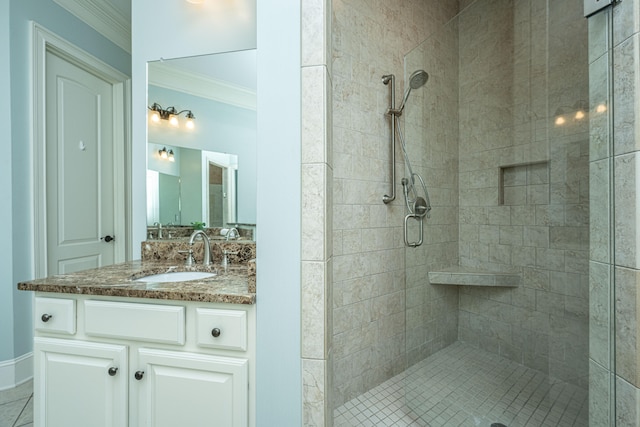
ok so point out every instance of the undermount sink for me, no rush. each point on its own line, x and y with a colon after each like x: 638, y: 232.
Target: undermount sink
x: 175, y: 276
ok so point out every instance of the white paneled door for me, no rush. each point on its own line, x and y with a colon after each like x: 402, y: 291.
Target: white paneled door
x: 79, y: 168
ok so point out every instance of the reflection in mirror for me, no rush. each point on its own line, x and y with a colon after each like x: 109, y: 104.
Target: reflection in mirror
x: 206, y: 173
x: 196, y: 186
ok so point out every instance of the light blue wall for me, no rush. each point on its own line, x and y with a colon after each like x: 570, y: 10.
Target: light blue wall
x: 6, y: 218
x: 62, y: 23
x: 219, y: 127
x: 279, y: 383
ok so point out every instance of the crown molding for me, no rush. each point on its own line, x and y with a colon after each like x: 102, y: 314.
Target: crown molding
x: 102, y: 17
x: 202, y: 86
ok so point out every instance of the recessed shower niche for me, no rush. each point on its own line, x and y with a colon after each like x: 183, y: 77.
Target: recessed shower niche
x: 524, y: 184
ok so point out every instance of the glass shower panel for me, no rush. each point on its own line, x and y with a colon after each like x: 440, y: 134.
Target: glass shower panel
x: 431, y: 127
x: 497, y: 297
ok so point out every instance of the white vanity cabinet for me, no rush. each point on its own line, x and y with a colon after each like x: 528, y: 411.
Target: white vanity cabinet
x: 80, y: 383
x: 138, y: 362
x: 190, y: 389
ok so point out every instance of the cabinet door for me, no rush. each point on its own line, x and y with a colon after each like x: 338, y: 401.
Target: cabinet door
x: 188, y: 389
x: 79, y: 383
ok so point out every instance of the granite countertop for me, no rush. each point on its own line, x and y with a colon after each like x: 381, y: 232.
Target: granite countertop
x: 228, y: 286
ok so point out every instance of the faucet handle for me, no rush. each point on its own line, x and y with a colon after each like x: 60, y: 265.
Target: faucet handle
x: 190, y: 260
x: 225, y: 257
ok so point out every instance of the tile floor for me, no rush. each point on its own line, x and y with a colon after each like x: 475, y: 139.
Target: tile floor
x: 16, y: 406
x: 459, y: 386
x: 462, y: 386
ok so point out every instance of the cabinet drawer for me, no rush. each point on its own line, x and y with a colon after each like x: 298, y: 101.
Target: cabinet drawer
x: 55, y: 315
x: 222, y: 328
x: 134, y: 321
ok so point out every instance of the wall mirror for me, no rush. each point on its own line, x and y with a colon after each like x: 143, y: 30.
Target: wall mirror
x: 202, y: 166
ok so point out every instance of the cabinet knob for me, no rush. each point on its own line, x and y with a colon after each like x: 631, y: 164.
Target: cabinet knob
x: 113, y: 371
x: 138, y: 375
x: 45, y: 317
x: 215, y: 332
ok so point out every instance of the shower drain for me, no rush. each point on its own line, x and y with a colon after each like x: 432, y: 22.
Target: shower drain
x: 498, y: 425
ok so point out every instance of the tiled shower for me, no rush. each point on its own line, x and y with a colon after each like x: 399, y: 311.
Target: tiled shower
x: 508, y: 180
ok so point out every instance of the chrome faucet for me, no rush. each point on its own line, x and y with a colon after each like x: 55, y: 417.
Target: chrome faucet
x: 232, y: 234
x: 207, y: 249
x: 159, y: 226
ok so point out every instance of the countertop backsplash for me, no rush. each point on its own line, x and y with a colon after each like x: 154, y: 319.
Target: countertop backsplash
x: 181, y: 231
x: 240, y: 253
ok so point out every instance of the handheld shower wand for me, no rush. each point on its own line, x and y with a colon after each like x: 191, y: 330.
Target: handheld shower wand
x: 416, y: 80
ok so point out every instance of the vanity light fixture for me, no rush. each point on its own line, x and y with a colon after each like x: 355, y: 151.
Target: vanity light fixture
x: 166, y: 155
x: 157, y: 113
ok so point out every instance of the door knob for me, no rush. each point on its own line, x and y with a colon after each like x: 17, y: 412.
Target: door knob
x: 113, y: 371
x: 45, y: 317
x: 215, y: 332
x: 108, y: 238
x: 138, y: 375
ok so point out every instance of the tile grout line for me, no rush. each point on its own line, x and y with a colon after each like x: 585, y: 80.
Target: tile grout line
x: 15, y: 423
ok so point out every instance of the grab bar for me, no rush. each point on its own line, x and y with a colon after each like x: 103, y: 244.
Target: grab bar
x: 406, y: 230
x: 386, y: 79
x: 418, y: 212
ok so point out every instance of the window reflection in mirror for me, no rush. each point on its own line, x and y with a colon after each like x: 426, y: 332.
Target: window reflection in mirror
x: 208, y: 173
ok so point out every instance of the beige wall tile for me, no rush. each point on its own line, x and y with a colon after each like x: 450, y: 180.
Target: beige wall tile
x: 316, y: 310
x: 600, y: 314
x: 627, y: 404
x: 599, y: 129
x: 627, y: 340
x: 315, y: 411
x: 599, y: 395
x: 627, y: 252
x: 315, y: 112
x: 626, y: 22
x: 314, y: 212
x: 627, y: 75
x: 316, y: 32
x: 600, y: 218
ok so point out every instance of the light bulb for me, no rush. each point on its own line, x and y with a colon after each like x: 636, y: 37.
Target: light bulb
x: 560, y: 121
x: 154, y: 116
x: 172, y: 158
x: 601, y: 108
x: 579, y: 115
x: 190, y: 124
x: 173, y: 120
x: 163, y: 153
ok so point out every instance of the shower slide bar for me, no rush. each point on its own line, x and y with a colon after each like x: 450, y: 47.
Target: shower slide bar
x: 386, y: 79
x: 417, y: 206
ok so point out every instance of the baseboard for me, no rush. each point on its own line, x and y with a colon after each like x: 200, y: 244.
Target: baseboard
x: 15, y: 372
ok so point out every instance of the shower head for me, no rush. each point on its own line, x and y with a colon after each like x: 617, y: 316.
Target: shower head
x: 417, y: 79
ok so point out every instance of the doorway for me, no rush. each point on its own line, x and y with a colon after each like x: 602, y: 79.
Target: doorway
x: 80, y: 140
